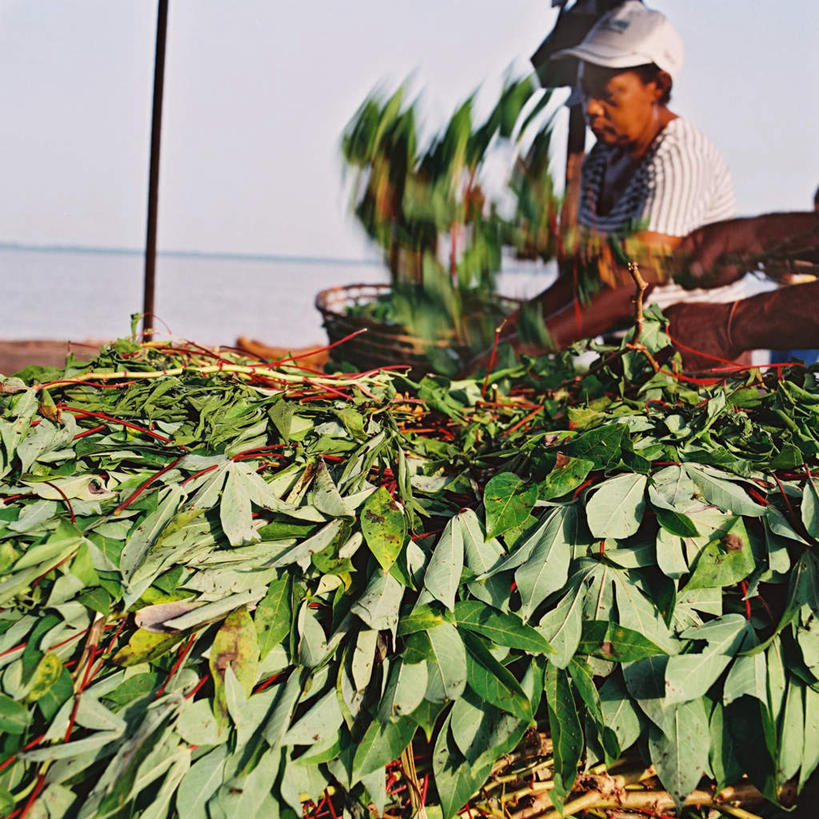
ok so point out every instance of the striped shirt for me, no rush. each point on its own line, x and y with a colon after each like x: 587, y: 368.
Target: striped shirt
x: 681, y: 184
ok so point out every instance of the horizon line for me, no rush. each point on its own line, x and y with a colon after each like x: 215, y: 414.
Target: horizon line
x: 225, y: 255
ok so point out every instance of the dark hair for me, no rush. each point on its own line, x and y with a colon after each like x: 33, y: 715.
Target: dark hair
x: 650, y: 72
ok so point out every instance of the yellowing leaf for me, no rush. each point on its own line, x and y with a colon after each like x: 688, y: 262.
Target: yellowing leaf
x: 234, y: 645
x: 383, y: 527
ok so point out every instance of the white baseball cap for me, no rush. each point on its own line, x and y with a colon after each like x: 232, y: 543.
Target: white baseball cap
x: 630, y: 35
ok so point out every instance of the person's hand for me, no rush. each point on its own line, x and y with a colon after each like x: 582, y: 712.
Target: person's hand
x: 702, y: 328
x: 716, y: 254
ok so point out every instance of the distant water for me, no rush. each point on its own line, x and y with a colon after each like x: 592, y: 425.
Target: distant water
x: 62, y: 293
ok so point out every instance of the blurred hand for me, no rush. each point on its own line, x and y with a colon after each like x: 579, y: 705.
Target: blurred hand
x: 716, y: 254
x: 702, y: 327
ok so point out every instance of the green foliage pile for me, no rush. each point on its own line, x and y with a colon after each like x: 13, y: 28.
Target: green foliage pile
x: 227, y: 589
x: 426, y: 203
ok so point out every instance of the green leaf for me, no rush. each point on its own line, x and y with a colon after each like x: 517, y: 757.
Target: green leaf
x: 681, y: 755
x: 676, y: 522
x: 381, y: 744
x: 810, y: 507
x: 725, y: 560
x: 508, y: 501
x: 747, y: 676
x: 326, y: 497
x: 443, y: 573
x: 727, y: 494
x: 48, y: 672
x: 620, y: 714
x: 145, y: 646
x: 792, y: 739
x: 383, y: 526
x: 147, y: 531
x: 200, y: 783
x: 318, y: 724
x: 421, y: 618
x: 378, y: 606
x: 616, y: 507
x: 562, y: 626
x: 235, y: 510
x: 273, y: 616
x: 492, y: 681
x: 609, y: 641
x: 583, y: 679
x: 404, y: 691
x: 722, y: 756
x: 502, y: 629
x: 637, y: 612
x: 810, y: 750
x: 602, y: 445
x: 565, y: 730
x: 547, y: 568
x: 481, y: 554
x: 456, y: 778
x: 14, y: 716
x: 446, y: 666
x: 6, y: 802
x: 51, y: 702
x: 672, y: 489
x: 564, y: 478
x: 753, y: 735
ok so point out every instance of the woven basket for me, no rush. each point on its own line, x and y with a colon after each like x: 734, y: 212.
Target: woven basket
x: 383, y: 344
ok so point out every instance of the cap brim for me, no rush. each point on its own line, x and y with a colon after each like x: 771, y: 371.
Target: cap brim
x: 602, y: 57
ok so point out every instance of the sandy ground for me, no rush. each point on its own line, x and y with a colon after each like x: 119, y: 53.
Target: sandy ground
x: 15, y: 355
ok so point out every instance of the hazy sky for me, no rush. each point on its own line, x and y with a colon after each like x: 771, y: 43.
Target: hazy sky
x: 258, y: 91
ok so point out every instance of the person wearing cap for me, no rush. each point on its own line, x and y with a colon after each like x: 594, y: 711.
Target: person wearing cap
x: 650, y: 179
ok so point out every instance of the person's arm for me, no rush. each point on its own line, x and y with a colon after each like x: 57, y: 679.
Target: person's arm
x: 781, y: 319
x: 722, y: 252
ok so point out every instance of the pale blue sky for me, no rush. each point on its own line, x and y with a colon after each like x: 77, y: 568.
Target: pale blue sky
x: 258, y: 91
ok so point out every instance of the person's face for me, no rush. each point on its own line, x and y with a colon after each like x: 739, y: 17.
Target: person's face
x: 619, y: 106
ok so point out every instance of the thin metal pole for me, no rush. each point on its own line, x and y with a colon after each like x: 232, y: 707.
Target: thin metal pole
x: 153, y: 183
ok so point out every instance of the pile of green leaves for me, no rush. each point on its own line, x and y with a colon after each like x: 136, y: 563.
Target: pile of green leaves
x: 229, y: 589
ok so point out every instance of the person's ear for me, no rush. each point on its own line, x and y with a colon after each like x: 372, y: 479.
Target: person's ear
x: 663, y: 83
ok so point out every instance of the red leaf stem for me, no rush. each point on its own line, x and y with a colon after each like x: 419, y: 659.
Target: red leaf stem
x: 757, y: 496
x: 65, y: 498
x: 182, y: 654
x: 89, y: 431
x: 266, y: 683
x: 581, y: 488
x: 199, y: 473
x: 743, y: 584
x: 95, y: 384
x: 34, y: 794
x: 195, y: 689
x: 525, y: 420
x: 492, y: 355
x: 426, y: 534
x: 28, y: 747
x: 320, y: 349
x: 145, y: 484
x: 103, y: 417
x: 73, y: 637
x: 13, y: 649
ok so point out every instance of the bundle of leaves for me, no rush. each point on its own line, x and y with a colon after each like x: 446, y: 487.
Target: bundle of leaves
x: 234, y: 589
x: 427, y: 204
